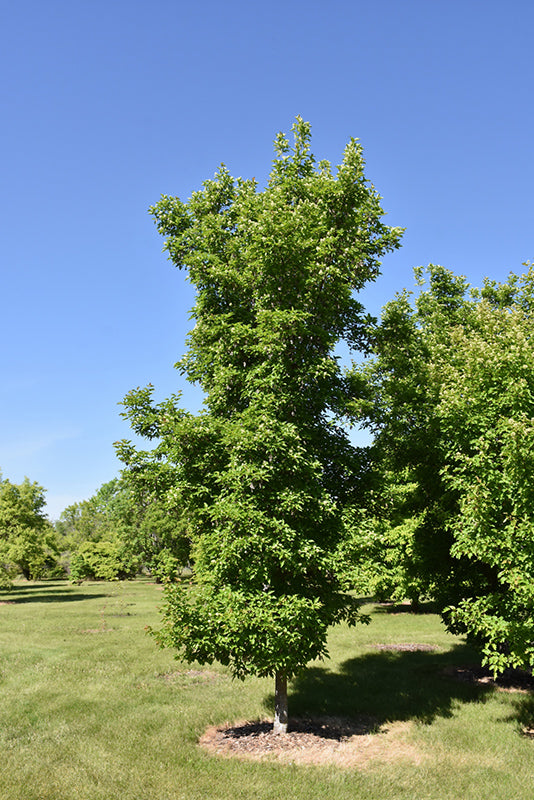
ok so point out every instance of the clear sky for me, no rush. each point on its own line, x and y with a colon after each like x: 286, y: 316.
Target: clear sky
x: 107, y: 105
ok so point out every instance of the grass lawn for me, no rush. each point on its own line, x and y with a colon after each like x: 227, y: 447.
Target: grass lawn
x: 91, y: 709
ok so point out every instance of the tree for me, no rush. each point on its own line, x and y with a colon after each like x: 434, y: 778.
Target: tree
x: 263, y: 472
x: 104, y: 561
x: 400, y: 389
x: 27, y: 540
x: 450, y: 399
x: 162, y: 540
x: 137, y: 525
x: 91, y: 520
x: 487, y: 416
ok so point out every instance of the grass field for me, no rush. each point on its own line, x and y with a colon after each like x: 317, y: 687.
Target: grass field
x: 91, y: 710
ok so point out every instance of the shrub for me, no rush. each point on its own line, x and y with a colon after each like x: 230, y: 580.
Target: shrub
x: 108, y: 561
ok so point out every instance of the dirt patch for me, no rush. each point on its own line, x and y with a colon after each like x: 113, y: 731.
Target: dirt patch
x: 195, y: 675
x: 409, y: 647
x: 320, y: 741
x: 513, y: 680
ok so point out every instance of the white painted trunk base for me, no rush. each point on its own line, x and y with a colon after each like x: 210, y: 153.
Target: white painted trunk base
x: 280, y: 703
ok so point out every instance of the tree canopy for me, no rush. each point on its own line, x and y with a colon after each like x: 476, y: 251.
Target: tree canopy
x: 265, y: 468
x: 400, y: 387
x: 450, y: 391
x: 28, y: 543
x: 119, y: 530
x: 487, y: 413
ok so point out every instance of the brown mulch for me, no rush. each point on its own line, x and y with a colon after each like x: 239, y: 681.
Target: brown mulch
x: 320, y: 741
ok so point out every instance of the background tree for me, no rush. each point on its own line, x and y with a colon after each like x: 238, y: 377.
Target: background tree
x: 263, y: 472
x: 450, y: 401
x: 119, y: 530
x: 487, y: 416
x: 28, y: 543
x: 107, y: 560
x: 401, y: 384
x: 95, y: 519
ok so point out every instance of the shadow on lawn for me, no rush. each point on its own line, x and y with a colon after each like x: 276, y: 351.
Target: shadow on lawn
x: 48, y: 593
x: 428, y: 607
x: 523, y: 714
x: 387, y: 686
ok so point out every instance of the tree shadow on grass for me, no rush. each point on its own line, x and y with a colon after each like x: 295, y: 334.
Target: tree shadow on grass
x: 522, y: 713
x: 43, y: 593
x: 387, y: 686
x: 426, y: 607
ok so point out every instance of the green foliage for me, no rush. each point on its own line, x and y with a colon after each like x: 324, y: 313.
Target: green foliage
x: 138, y: 523
x: 101, y: 518
x: 263, y: 473
x: 106, y: 561
x: 378, y: 557
x: 221, y: 624
x: 161, y: 538
x: 487, y: 413
x: 358, y: 555
x: 166, y: 567
x: 401, y: 406
x: 451, y: 391
x: 28, y: 543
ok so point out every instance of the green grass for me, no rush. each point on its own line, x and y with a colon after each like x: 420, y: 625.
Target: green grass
x: 91, y: 709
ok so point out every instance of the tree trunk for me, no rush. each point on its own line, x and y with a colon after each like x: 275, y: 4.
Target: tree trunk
x: 280, y: 703
x: 415, y: 600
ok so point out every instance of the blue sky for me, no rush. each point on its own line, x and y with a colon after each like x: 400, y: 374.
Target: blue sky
x: 108, y: 105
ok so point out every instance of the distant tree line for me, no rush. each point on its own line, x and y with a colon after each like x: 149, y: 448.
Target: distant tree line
x: 29, y: 545
x: 118, y: 533
x: 113, y: 535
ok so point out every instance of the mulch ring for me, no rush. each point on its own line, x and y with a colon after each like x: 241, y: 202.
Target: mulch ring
x: 320, y: 741
x: 513, y: 680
